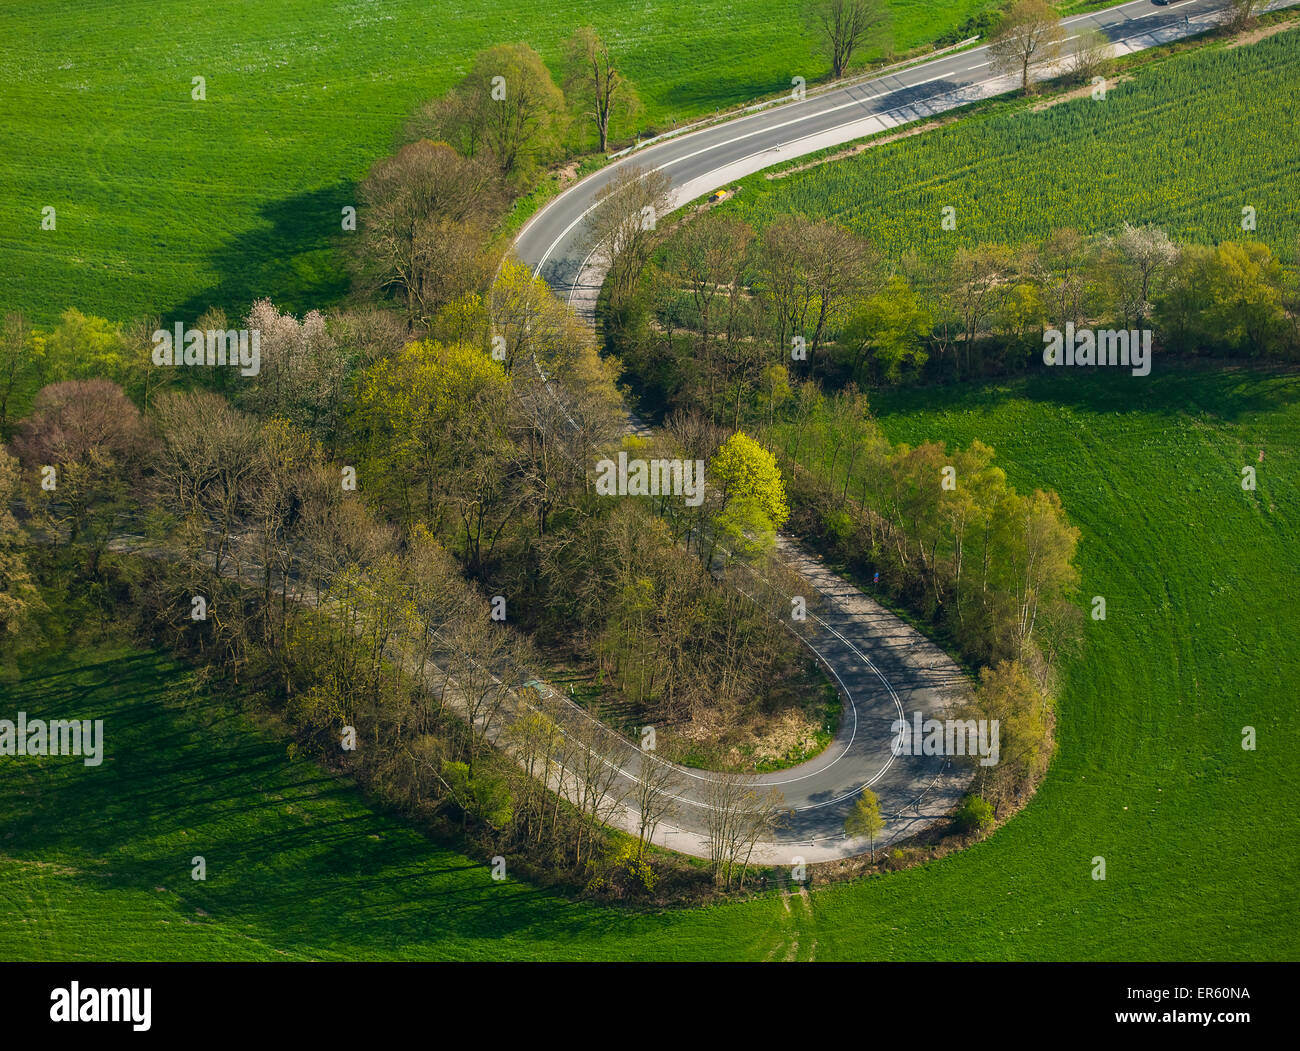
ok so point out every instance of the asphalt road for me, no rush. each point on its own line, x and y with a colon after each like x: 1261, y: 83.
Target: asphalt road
x: 701, y: 161
x: 884, y: 669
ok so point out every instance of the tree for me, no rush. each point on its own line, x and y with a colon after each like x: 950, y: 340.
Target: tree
x: 891, y: 327
x: 425, y: 219
x: 204, y: 467
x: 600, y: 790
x: 737, y: 818
x: 1029, y: 35
x: 302, y: 370
x: 751, y: 503
x: 865, y: 820
x: 622, y: 229
x: 974, y: 815
x: 808, y: 270
x: 525, y: 314
x: 92, y: 435
x: 1089, y: 55
x: 1241, y: 13
x: 593, y: 83
x: 710, y: 254
x: 483, y: 795
x: 1244, y: 284
x: 1065, y: 270
x: 1007, y: 693
x: 19, y: 597
x: 16, y: 362
x: 844, y: 26
x: 1136, y: 259
x: 506, y: 109
x: 978, y: 280
x: 83, y: 346
x: 653, y: 797
x: 431, y: 431
x: 143, y: 380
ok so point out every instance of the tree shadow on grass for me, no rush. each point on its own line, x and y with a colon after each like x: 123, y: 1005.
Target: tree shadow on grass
x: 1220, y: 389
x: 293, y: 255
x: 293, y: 852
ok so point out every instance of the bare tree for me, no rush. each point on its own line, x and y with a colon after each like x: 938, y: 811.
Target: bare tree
x: 1241, y: 13
x: 205, y: 466
x: 599, y: 787
x: 1064, y: 269
x: 738, y: 816
x: 622, y: 231
x: 845, y: 25
x: 652, y: 795
x: 1029, y: 35
x: 1090, y: 55
x: 979, y: 281
x: 807, y: 269
x: 594, y: 82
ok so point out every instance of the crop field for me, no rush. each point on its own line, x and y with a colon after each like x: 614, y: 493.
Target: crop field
x: 166, y: 205
x: 1151, y: 775
x: 1186, y: 143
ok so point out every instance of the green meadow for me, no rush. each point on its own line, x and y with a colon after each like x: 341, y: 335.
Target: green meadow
x: 166, y: 205
x: 1197, y: 833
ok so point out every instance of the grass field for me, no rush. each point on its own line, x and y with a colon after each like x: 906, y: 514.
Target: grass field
x: 1186, y: 143
x: 1197, y: 833
x: 167, y: 205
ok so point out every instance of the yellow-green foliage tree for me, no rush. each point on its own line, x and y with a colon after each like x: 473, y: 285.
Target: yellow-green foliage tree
x: 1007, y: 693
x: 864, y: 820
x: 433, y: 445
x: 751, y: 502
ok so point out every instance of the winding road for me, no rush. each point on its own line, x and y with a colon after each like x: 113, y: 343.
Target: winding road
x: 883, y: 668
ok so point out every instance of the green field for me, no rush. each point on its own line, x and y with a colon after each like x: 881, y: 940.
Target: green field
x: 1186, y: 143
x: 168, y: 205
x: 1197, y: 834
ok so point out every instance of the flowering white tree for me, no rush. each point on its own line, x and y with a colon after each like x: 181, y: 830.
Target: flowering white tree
x: 302, y: 367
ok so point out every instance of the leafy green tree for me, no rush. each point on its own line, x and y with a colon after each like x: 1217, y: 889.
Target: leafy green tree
x: 82, y: 346
x: 1008, y: 694
x: 1245, y: 296
x: 890, y: 329
x: 484, y: 796
x: 431, y: 430
x: 506, y: 109
x: 864, y: 819
x: 974, y: 815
